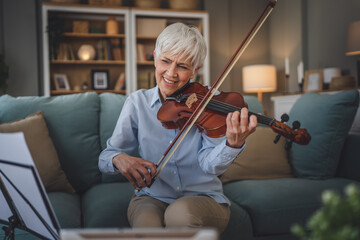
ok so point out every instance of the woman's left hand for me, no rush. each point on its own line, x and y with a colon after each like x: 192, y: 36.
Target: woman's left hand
x: 239, y: 127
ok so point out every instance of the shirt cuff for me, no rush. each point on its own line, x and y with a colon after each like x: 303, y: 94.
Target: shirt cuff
x: 234, y: 152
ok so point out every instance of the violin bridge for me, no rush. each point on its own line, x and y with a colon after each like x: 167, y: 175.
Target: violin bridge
x: 190, y: 100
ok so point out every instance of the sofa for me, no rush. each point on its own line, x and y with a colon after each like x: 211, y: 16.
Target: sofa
x: 267, y: 195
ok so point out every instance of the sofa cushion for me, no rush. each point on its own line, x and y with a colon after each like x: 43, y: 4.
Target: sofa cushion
x: 105, y: 205
x: 42, y: 151
x: 67, y: 209
x: 350, y: 158
x: 111, y: 105
x: 261, y: 159
x: 274, y: 205
x: 239, y: 224
x: 73, y: 123
x: 328, y: 118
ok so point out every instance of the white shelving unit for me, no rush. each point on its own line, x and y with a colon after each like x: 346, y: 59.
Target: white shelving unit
x: 128, y: 16
x: 89, y: 11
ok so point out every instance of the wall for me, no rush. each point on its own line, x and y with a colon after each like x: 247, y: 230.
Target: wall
x: 1, y: 28
x: 327, y: 22
x: 230, y: 22
x: 20, y: 46
x: 286, y: 42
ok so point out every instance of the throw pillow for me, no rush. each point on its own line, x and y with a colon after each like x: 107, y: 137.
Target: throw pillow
x: 327, y: 118
x: 261, y: 158
x: 42, y: 151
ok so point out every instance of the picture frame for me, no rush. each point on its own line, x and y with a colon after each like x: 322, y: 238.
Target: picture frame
x: 313, y: 80
x: 100, y: 79
x: 61, y: 81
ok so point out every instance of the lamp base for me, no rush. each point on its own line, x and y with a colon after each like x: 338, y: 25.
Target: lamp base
x: 259, y: 96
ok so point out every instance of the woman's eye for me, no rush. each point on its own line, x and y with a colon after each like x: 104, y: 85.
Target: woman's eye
x: 183, y: 67
x: 165, y: 61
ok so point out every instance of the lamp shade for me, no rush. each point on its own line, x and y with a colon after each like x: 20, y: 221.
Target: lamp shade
x: 353, y: 39
x: 259, y: 78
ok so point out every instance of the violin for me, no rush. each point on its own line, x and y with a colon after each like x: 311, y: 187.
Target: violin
x: 187, y: 109
x: 177, y: 109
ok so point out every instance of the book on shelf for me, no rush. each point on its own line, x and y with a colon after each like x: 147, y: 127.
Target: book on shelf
x: 100, y: 50
x: 120, y: 83
x: 70, y: 52
x: 146, y: 79
x: 65, y: 52
x: 152, y: 79
x: 140, y: 52
x: 116, y: 49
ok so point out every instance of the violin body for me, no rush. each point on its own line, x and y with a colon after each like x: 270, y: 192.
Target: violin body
x: 174, y: 114
x: 177, y: 109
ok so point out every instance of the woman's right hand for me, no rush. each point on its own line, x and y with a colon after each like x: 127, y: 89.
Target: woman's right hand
x: 135, y: 169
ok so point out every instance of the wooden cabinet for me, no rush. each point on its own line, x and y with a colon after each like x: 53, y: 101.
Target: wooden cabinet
x: 123, y: 54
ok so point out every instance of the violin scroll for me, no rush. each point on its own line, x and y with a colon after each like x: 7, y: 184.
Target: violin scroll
x: 294, y: 134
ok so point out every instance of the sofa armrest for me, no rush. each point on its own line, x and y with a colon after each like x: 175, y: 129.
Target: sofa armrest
x: 349, y: 164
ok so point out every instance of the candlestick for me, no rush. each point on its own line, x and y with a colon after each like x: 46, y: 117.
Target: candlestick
x: 300, y: 72
x: 287, y: 66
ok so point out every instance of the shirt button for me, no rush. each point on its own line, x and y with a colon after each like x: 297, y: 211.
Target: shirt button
x: 174, y: 172
x: 177, y: 188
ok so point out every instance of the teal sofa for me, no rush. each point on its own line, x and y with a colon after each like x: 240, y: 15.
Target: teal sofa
x: 79, y: 126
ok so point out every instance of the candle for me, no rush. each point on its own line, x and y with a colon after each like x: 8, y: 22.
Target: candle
x: 287, y: 68
x: 300, y: 70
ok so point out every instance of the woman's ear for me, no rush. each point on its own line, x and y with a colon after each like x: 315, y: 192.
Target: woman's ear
x: 195, y: 72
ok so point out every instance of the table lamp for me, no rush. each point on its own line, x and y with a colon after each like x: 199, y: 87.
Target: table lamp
x: 353, y: 43
x: 259, y: 79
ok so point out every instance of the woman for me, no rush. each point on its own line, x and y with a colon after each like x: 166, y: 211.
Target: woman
x: 187, y: 192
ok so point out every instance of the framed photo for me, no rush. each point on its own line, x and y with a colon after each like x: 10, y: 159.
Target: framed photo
x: 100, y: 79
x: 61, y: 82
x: 313, y: 80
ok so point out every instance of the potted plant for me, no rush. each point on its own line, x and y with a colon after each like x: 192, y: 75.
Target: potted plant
x: 339, y: 218
x: 4, y: 75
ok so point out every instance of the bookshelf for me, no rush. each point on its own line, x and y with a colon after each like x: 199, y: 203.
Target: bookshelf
x: 130, y: 39
x: 80, y: 25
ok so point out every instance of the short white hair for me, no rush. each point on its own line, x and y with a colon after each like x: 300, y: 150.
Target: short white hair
x: 183, y: 40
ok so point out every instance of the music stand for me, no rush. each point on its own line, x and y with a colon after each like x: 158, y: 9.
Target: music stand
x: 23, y: 200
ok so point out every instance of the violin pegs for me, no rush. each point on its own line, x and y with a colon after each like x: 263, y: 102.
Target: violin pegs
x: 296, y: 125
x: 284, y: 118
x: 277, y: 138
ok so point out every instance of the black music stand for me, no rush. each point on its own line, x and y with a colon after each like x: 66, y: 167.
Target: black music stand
x: 23, y: 200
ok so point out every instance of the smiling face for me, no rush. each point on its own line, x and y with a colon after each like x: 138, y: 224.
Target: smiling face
x: 172, y: 72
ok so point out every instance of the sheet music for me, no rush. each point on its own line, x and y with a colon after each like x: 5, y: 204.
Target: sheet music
x: 13, y: 148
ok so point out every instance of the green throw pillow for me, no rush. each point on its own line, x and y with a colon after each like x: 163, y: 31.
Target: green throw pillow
x: 328, y: 118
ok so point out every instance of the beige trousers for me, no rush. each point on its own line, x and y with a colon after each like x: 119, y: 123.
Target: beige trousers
x: 190, y: 211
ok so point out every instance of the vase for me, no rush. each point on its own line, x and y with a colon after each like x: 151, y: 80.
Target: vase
x: 112, y: 26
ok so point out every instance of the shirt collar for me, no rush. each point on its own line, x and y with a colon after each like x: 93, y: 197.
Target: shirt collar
x: 155, y: 96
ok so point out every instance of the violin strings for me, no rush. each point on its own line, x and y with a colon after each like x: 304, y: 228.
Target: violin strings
x: 226, y: 108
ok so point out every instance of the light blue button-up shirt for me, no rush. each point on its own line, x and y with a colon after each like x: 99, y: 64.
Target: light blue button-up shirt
x: 192, y: 170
